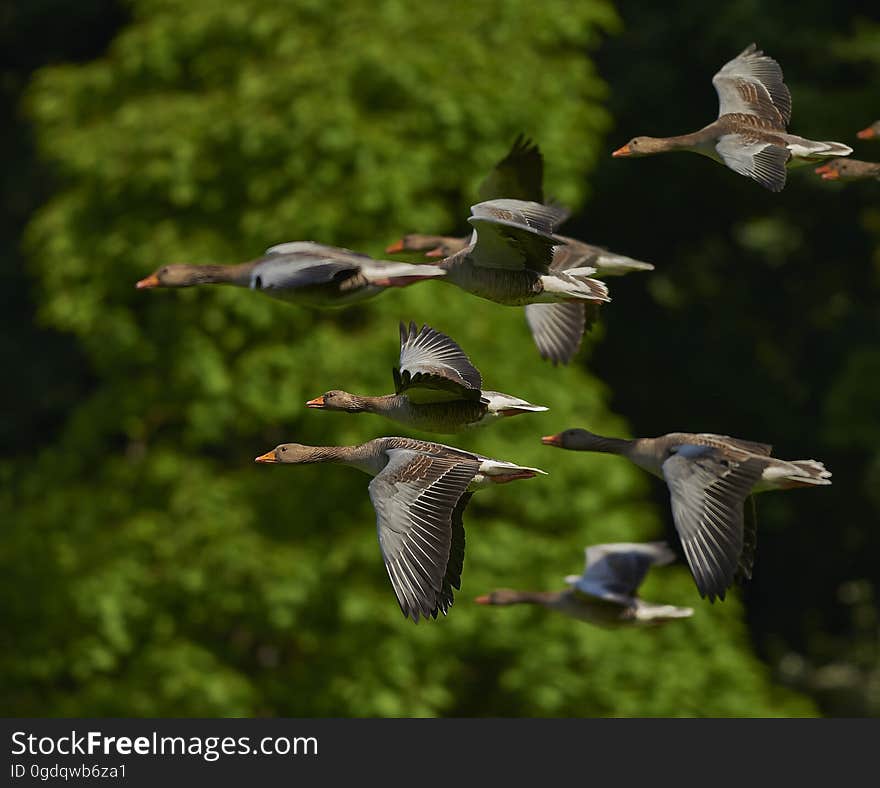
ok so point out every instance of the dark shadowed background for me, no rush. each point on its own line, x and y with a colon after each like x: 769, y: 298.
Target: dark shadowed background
x: 147, y: 567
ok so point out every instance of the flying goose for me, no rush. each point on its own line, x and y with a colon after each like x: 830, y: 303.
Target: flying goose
x: 510, y: 260
x: 605, y: 594
x: 556, y: 328
x: 301, y: 272
x: 750, y: 134
x: 437, y: 388
x: 709, y: 477
x: 419, y: 491
x: 849, y: 170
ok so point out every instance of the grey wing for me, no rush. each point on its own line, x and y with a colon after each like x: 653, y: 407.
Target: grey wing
x: 289, y: 271
x: 514, y: 234
x: 752, y: 84
x: 415, y: 496
x: 707, y: 494
x: 519, y: 175
x: 759, y: 160
x: 452, y: 578
x: 432, y: 361
x: 557, y: 329
x: 615, y: 571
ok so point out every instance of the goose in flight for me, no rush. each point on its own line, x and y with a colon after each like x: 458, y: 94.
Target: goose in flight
x: 437, y: 388
x: 606, y: 593
x: 750, y: 134
x: 709, y: 478
x: 301, y: 272
x: 557, y: 329
x: 419, y: 492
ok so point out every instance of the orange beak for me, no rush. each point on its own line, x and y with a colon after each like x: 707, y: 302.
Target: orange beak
x: 551, y: 440
x: 483, y: 600
x: 269, y: 456
x: 438, y: 252
x: 624, y: 151
x: 150, y: 281
x: 317, y: 402
x: 396, y: 247
x: 828, y: 173
x: 867, y: 134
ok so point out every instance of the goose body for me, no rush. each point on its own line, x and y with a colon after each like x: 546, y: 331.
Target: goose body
x: 510, y: 255
x: 437, y: 389
x: 709, y: 477
x: 419, y: 491
x: 606, y: 593
x: 750, y: 135
x: 301, y: 272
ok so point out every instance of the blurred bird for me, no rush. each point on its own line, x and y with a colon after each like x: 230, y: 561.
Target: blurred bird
x: 419, y: 491
x: 849, y: 170
x: 870, y: 133
x: 750, y: 134
x: 709, y: 477
x: 605, y: 594
x: 437, y: 388
x: 301, y: 272
x: 557, y: 328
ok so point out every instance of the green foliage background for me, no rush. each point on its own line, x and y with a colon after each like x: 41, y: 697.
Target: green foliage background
x: 147, y: 567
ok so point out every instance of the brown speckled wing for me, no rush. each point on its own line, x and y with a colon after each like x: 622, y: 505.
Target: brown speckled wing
x: 752, y: 84
x: 415, y: 496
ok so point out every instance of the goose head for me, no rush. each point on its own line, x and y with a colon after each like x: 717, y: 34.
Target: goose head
x: 336, y: 400
x: 870, y: 133
x: 643, y: 146
x: 171, y: 276
x: 848, y: 170
x: 574, y: 440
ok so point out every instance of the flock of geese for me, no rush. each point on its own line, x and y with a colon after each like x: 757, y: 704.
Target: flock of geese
x: 514, y: 256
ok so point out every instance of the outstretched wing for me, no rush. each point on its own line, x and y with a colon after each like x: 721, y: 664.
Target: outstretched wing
x: 759, y: 160
x: 752, y: 84
x: 288, y: 271
x: 434, y: 368
x: 707, y: 493
x: 415, y: 496
x: 518, y: 176
x: 514, y: 234
x: 615, y: 571
x: 558, y: 329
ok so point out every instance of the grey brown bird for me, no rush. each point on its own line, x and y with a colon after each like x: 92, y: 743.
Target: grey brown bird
x: 510, y: 260
x: 606, y: 593
x: 437, y: 389
x: 556, y: 328
x: 709, y: 478
x: 419, y: 491
x: 750, y: 135
x: 301, y: 272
